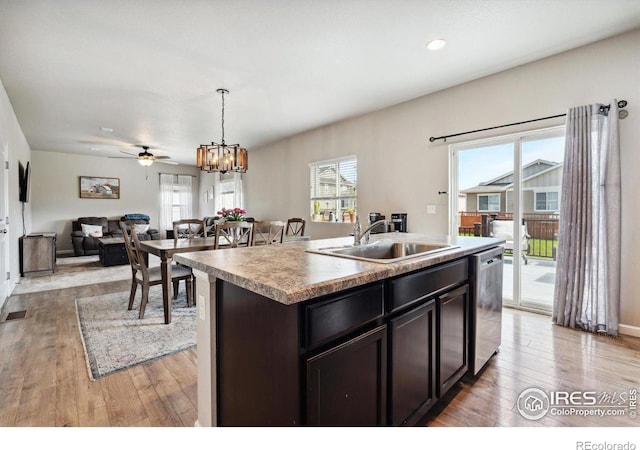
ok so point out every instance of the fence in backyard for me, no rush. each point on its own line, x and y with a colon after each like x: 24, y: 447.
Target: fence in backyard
x: 542, y: 229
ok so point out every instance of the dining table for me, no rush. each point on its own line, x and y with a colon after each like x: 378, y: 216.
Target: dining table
x: 165, y: 249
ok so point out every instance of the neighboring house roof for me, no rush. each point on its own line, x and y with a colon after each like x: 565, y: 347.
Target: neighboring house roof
x: 480, y: 189
x: 500, y: 183
x: 327, y: 175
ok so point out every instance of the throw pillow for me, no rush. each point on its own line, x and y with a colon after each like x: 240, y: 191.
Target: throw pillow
x: 141, y: 228
x: 92, y: 230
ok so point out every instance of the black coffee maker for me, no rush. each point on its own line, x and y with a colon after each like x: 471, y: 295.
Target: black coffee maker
x: 399, y: 222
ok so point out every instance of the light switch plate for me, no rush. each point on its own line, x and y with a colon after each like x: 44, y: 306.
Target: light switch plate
x: 431, y: 209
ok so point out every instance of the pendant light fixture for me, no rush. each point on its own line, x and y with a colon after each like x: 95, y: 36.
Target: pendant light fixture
x: 222, y: 158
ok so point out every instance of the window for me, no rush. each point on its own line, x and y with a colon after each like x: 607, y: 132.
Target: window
x: 228, y: 191
x: 333, y: 190
x: 489, y: 202
x: 546, y: 201
x: 227, y: 195
x: 176, y: 199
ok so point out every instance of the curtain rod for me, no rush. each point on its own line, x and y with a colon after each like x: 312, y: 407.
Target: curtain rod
x: 176, y: 174
x: 621, y: 104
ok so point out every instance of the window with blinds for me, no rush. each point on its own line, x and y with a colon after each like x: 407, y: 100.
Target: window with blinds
x: 333, y: 190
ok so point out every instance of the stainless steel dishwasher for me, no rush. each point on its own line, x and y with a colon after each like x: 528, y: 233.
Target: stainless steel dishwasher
x: 486, y: 308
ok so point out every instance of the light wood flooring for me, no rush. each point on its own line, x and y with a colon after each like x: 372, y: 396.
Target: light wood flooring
x: 44, y: 381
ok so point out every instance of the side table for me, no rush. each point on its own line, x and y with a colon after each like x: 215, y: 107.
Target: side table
x: 37, y: 253
x: 112, y: 252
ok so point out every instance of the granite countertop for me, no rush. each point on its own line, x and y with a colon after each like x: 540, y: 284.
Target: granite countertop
x: 288, y: 274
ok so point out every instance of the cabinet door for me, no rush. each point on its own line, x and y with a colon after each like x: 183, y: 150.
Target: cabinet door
x: 346, y: 385
x: 412, y: 357
x: 452, y: 332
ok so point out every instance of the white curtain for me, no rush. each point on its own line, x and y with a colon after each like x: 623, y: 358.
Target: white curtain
x: 587, y: 290
x: 185, y: 193
x: 217, y: 192
x: 166, y: 202
x: 238, y: 196
x: 229, y: 185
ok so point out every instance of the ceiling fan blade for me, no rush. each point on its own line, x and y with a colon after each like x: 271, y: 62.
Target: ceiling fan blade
x: 130, y: 154
x: 168, y: 162
x: 163, y: 157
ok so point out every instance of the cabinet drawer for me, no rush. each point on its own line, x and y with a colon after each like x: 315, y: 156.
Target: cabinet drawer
x: 417, y: 286
x: 335, y: 317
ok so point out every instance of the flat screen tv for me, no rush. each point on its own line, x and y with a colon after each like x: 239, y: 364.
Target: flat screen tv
x: 24, y: 182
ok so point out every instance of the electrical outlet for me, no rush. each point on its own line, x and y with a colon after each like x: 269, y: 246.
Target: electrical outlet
x: 431, y: 209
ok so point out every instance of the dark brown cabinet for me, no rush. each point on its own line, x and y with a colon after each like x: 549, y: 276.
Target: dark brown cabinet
x: 452, y: 326
x: 346, y: 385
x: 378, y: 354
x: 412, y: 364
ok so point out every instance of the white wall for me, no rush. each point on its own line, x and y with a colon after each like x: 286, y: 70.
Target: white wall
x: 12, y: 135
x: 400, y: 171
x: 55, y: 196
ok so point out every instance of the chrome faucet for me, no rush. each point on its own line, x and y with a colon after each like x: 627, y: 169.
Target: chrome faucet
x: 358, y: 234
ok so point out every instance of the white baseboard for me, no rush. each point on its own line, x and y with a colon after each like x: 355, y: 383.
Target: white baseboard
x: 629, y: 330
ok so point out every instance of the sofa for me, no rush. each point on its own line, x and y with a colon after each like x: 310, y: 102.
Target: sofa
x: 85, y: 238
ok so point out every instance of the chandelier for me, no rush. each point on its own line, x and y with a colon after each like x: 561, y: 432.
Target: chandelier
x: 222, y: 157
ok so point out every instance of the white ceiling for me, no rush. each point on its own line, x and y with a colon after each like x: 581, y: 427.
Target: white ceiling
x: 149, y: 69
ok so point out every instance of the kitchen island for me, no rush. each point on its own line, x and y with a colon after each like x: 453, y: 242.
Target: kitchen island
x: 291, y: 337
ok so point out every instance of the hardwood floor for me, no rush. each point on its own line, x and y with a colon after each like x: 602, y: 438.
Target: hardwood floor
x: 536, y: 353
x: 44, y: 381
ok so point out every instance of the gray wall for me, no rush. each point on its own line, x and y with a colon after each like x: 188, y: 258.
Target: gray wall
x: 55, y: 198
x: 400, y: 171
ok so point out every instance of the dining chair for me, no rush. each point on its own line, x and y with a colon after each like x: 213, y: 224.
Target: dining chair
x: 189, y: 229
x: 266, y: 232
x: 295, y: 226
x: 147, y: 277
x: 233, y: 234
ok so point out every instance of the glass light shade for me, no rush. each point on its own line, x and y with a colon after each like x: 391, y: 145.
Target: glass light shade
x: 222, y: 158
x: 145, y: 162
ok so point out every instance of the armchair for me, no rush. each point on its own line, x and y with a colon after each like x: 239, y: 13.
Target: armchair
x: 504, y: 229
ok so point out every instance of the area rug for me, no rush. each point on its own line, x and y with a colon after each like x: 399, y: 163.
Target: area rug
x: 76, y: 271
x: 115, y: 339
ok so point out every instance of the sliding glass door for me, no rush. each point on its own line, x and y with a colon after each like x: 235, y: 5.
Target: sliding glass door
x: 509, y: 187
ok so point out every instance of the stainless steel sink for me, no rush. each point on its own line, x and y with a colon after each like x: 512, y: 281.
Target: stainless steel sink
x: 386, y: 251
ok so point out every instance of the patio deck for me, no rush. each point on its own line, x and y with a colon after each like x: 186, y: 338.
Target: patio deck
x: 537, y: 282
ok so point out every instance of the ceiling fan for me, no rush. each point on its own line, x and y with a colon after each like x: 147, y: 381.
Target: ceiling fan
x: 145, y: 158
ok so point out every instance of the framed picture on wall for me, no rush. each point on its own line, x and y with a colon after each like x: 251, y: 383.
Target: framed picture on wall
x: 98, y: 187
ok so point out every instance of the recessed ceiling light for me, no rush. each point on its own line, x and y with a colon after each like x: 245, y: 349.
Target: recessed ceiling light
x: 106, y: 130
x: 436, y: 44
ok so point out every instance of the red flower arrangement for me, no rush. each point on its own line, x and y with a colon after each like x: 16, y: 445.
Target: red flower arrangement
x: 232, y: 214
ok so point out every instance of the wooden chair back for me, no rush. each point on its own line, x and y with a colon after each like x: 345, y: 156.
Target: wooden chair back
x: 233, y: 234
x: 189, y: 229
x: 295, y: 226
x: 267, y: 232
x: 135, y: 254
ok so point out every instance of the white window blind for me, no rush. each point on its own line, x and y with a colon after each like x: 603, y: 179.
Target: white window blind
x: 334, y: 190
